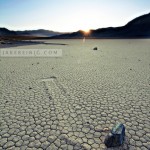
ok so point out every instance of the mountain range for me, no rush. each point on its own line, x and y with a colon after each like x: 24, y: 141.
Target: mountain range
x: 137, y: 28
x: 33, y: 33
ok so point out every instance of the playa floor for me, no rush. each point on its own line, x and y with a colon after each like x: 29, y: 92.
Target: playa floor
x: 66, y: 103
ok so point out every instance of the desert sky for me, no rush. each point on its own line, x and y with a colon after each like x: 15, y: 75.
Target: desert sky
x: 69, y: 15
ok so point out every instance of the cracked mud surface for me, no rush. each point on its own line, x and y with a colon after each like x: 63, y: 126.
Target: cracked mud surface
x: 67, y: 103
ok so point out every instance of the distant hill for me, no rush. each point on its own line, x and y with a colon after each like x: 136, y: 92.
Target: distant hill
x: 38, y: 33
x: 34, y: 33
x: 6, y: 32
x: 137, y: 28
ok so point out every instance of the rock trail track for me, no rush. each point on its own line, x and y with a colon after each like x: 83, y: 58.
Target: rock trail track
x: 70, y: 103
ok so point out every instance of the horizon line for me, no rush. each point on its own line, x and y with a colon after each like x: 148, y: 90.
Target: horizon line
x: 9, y: 28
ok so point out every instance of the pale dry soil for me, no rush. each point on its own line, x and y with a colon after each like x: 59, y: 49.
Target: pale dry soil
x: 65, y: 103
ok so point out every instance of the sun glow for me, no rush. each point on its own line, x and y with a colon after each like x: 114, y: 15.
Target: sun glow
x: 86, y: 32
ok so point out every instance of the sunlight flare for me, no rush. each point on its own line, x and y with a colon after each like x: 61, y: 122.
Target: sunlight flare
x: 87, y: 31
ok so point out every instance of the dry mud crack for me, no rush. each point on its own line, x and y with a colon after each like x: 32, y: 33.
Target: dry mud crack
x: 66, y: 103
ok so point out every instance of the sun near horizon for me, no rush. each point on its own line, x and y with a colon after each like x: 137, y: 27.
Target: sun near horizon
x: 54, y: 14
x: 86, y: 32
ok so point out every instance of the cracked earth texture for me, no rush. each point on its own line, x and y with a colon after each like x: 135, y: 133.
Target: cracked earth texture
x: 65, y: 103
